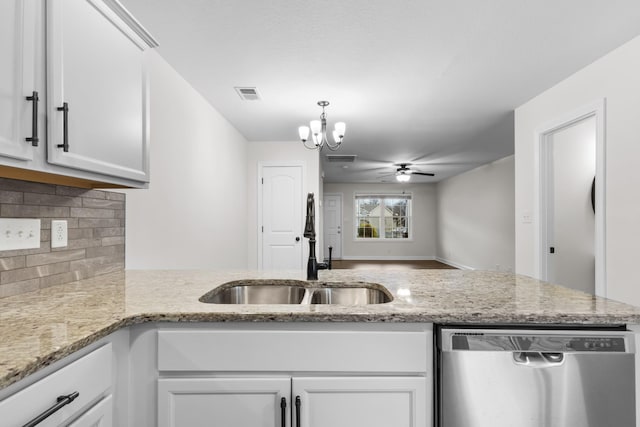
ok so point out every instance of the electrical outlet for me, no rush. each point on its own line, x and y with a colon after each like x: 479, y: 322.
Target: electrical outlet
x: 19, y: 233
x: 58, y: 234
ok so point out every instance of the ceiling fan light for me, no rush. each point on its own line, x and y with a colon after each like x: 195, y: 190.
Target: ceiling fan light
x: 403, y: 177
x: 303, y: 131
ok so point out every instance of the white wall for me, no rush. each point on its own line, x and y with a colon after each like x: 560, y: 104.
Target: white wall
x: 194, y: 214
x: 283, y: 152
x: 423, y: 243
x: 476, y: 217
x: 615, y: 77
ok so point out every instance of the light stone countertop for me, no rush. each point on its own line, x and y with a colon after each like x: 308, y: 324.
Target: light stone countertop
x: 39, y: 328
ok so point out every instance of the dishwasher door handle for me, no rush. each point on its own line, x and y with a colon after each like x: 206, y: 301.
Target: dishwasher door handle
x: 536, y: 359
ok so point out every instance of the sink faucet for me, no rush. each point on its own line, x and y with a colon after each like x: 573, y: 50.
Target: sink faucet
x: 310, y: 232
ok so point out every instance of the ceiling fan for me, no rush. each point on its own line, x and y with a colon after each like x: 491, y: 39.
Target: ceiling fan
x: 404, y: 172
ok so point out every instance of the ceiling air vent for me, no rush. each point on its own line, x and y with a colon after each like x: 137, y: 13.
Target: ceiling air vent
x: 341, y: 158
x: 248, y: 93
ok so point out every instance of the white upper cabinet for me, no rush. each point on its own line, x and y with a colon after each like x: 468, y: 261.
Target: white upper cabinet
x: 18, y: 32
x: 97, y: 89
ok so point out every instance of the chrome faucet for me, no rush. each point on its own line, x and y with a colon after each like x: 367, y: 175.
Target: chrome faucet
x: 310, y: 232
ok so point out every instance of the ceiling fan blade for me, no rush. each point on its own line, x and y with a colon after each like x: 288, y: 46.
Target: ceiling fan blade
x: 423, y: 173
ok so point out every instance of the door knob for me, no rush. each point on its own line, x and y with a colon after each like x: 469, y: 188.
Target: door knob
x: 297, y: 238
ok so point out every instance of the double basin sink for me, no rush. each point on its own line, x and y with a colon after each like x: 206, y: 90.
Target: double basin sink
x: 297, y: 292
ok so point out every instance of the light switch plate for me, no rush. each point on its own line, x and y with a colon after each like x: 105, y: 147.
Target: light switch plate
x: 58, y: 233
x: 19, y: 233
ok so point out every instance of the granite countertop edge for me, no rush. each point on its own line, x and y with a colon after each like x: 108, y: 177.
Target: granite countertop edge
x: 594, y: 312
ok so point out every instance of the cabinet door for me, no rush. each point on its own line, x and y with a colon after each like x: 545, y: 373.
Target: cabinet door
x: 18, y: 31
x: 353, y: 401
x: 96, y: 67
x: 222, y: 402
x: 100, y: 415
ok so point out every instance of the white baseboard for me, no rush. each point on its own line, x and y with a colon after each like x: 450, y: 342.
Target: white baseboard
x: 454, y: 264
x: 387, y: 258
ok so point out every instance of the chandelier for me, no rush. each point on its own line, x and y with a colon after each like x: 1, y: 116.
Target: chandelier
x: 318, y: 129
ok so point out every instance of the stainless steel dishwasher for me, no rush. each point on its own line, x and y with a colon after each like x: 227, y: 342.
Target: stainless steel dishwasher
x: 542, y: 378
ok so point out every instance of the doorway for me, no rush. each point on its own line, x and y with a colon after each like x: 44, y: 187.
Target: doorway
x: 571, y: 243
x: 281, y: 214
x: 332, y: 230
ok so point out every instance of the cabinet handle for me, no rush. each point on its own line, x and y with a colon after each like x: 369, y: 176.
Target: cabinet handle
x: 298, y: 405
x: 283, y: 411
x: 61, y: 401
x: 33, y: 139
x: 65, y: 127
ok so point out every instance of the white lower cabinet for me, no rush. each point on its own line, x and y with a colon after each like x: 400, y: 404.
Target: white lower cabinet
x: 295, y: 376
x: 360, y: 401
x: 86, y: 380
x: 225, y: 402
x: 100, y: 415
x: 308, y: 401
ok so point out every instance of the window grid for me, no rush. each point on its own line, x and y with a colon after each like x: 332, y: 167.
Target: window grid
x: 383, y: 217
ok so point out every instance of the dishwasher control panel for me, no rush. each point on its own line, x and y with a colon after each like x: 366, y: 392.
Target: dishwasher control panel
x: 543, y: 342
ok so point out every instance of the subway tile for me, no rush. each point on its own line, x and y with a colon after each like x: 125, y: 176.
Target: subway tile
x: 102, y: 204
x: 80, y: 233
x: 91, y: 213
x: 62, y: 278
x: 54, y: 257
x: 105, y: 251
x: 17, y: 288
x: 28, y: 273
x: 116, y: 196
x: 109, y: 232
x: 26, y: 186
x: 51, y: 200
x: 98, y: 223
x: 83, y: 243
x: 82, y: 192
x: 92, y: 263
x: 44, y: 247
x: 19, y: 211
x: 11, y: 263
x: 110, y: 241
x: 96, y: 242
x: 33, y: 211
x: 12, y: 197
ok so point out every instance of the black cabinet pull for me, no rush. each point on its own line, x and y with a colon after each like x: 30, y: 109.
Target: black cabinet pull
x: 298, y: 404
x: 283, y: 411
x: 33, y: 139
x: 65, y: 127
x: 61, y: 401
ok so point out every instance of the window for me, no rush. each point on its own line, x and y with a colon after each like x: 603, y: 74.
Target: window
x: 383, y: 216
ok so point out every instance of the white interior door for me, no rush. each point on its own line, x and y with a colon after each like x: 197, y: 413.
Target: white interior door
x: 282, y: 217
x: 332, y: 217
x: 571, y: 167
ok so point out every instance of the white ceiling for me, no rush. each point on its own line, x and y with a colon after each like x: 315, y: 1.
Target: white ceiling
x: 423, y: 81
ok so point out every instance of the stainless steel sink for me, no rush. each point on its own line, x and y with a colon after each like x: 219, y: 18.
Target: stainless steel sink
x: 256, y: 292
x: 296, y: 292
x: 350, y: 296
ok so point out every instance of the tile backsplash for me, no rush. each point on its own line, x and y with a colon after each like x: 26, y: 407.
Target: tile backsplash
x: 96, y: 235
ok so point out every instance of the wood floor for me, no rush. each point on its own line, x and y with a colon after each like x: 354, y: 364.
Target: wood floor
x: 388, y: 265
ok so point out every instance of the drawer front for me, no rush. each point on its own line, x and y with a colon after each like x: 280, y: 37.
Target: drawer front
x: 90, y: 376
x: 311, y: 351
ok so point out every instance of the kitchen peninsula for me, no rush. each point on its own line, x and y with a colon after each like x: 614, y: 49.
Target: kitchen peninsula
x: 40, y: 328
